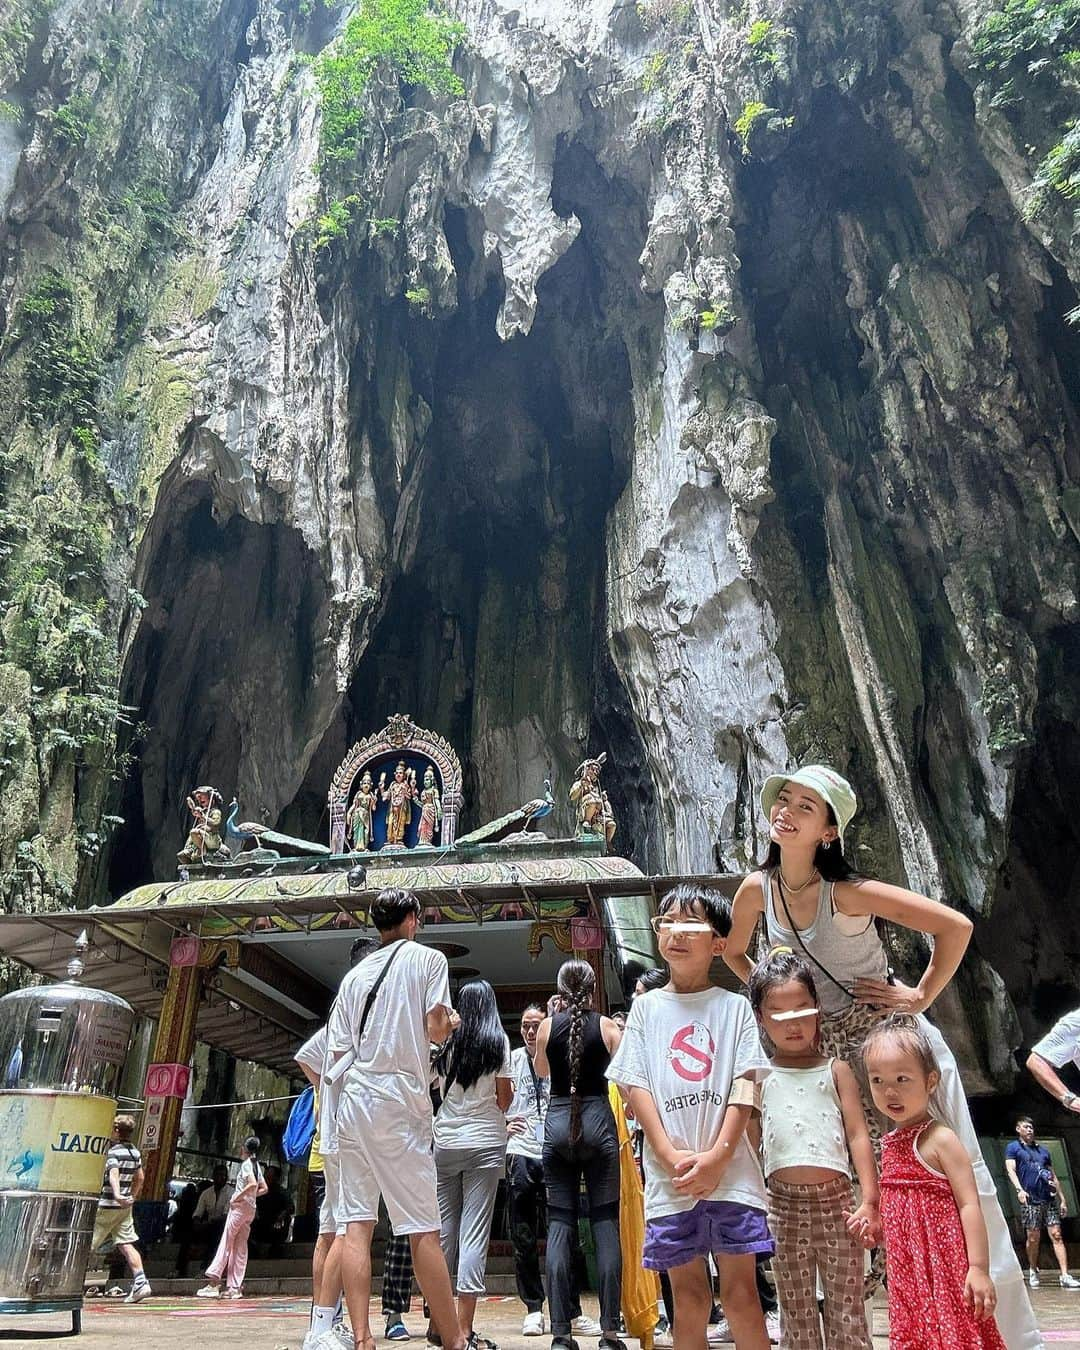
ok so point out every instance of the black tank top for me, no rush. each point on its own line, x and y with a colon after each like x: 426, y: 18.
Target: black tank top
x: 595, y: 1057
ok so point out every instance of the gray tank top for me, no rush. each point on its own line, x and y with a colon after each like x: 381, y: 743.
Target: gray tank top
x: 848, y: 947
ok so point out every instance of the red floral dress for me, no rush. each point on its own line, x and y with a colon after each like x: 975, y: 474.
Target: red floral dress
x: 927, y: 1255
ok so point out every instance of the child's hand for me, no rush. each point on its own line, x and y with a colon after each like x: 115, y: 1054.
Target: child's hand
x: 673, y: 1159
x: 698, y: 1174
x: 980, y: 1294
x: 865, y: 1225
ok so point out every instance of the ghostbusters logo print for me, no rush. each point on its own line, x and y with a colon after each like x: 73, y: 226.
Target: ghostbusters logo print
x: 692, y: 1052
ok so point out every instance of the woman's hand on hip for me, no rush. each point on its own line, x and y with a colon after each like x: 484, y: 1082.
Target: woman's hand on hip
x: 898, y: 997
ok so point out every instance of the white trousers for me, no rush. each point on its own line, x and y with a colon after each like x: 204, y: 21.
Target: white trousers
x: 1014, y: 1317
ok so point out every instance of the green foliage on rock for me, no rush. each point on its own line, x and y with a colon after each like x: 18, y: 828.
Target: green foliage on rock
x: 20, y: 20
x: 719, y: 318
x: 755, y: 117
x: 410, y: 38
x: 63, y: 355
x: 1025, y: 29
x: 1028, y: 52
x: 73, y: 122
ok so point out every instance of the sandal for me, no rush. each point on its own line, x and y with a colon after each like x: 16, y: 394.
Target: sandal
x: 564, y: 1343
x: 476, y: 1342
x: 611, y: 1342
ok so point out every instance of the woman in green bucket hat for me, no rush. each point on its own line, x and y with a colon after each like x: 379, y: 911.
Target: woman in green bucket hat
x: 811, y: 901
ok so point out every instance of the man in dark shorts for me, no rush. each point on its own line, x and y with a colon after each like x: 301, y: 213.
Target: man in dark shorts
x: 1042, y: 1202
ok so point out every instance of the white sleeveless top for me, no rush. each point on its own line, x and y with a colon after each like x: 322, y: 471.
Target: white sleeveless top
x: 848, y: 946
x: 802, y: 1124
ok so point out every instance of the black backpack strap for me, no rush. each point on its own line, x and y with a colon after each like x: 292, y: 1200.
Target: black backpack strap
x: 799, y: 939
x: 374, y: 990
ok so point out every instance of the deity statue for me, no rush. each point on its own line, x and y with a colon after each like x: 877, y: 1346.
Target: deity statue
x: 430, y: 808
x: 594, y: 809
x: 204, y: 842
x: 400, y: 794
x: 360, y: 813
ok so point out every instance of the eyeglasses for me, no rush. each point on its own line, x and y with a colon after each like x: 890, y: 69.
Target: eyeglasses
x: 668, y: 923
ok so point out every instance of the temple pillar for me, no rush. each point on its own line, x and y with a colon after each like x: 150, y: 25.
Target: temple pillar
x: 168, y: 1073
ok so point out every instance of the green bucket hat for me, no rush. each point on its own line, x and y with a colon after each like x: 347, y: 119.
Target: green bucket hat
x: 826, y: 782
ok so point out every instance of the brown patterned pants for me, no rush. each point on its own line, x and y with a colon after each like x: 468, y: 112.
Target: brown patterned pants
x: 812, y: 1243
x: 842, y: 1035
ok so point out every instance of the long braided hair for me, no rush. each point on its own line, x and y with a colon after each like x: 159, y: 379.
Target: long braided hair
x: 577, y: 983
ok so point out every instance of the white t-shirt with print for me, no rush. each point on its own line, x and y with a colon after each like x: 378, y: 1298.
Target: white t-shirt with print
x: 1061, y: 1044
x: 393, y: 1062
x: 531, y: 1096
x: 687, y: 1050
x: 470, y: 1117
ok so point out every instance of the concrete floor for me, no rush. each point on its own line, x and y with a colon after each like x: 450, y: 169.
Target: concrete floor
x: 280, y: 1323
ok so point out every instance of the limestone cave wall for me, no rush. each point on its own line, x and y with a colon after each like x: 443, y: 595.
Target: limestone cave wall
x: 692, y: 381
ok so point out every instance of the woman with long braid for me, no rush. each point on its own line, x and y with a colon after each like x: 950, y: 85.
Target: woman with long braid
x: 574, y: 1047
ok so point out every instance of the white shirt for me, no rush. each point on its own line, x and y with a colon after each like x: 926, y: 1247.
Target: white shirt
x: 686, y: 1050
x: 470, y: 1117
x: 313, y: 1052
x: 1061, y: 1044
x: 245, y: 1177
x: 393, y: 1063
x: 530, y: 1103
x: 312, y: 1055
x: 213, y: 1204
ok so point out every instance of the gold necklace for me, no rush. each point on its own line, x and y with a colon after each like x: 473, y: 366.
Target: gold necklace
x: 794, y: 890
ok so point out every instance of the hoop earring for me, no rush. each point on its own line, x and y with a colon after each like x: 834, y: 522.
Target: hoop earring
x: 829, y: 843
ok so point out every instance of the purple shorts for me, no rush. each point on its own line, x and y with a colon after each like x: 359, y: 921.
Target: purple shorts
x: 711, y: 1226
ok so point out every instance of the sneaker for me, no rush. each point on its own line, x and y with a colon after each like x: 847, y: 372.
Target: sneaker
x: 208, y: 1291
x: 233, y: 1293
x: 1069, y: 1281
x: 139, y: 1291
x: 533, y: 1324
x: 585, y: 1326
x: 719, y: 1333
x: 396, y: 1330
x: 337, y: 1338
x: 662, y: 1337
x: 772, y: 1326
x: 1033, y: 1278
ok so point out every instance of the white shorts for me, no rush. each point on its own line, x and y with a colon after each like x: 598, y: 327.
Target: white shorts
x: 387, y: 1152
x: 328, y: 1219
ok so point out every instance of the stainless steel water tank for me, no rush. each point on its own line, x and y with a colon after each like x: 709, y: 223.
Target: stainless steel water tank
x: 62, y: 1049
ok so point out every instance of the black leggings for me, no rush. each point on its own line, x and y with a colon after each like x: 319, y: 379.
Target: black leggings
x: 596, y: 1157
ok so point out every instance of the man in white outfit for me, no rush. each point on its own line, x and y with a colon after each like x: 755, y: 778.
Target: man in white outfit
x: 376, y: 1108
x: 1060, y: 1046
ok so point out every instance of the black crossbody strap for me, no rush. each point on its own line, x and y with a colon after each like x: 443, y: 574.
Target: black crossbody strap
x: 374, y: 990
x: 798, y: 938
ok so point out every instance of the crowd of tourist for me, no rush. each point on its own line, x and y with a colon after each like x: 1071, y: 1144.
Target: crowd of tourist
x: 710, y: 1132
x: 758, y: 1120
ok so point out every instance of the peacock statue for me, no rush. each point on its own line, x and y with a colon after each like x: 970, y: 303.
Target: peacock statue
x: 539, y: 807
x: 269, y: 845
x: 238, y: 835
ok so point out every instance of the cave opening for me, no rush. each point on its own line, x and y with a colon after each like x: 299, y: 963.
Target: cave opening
x: 492, y: 628
x: 1032, y: 935
x: 223, y: 672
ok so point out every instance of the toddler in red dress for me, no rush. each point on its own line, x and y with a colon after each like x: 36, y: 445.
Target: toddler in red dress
x: 941, y: 1296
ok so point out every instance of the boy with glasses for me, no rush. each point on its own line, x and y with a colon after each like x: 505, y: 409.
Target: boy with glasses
x: 688, y: 1062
